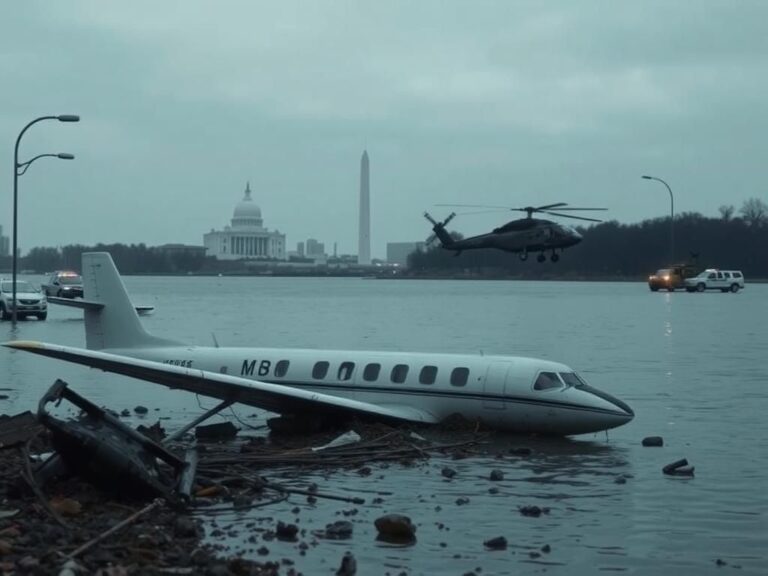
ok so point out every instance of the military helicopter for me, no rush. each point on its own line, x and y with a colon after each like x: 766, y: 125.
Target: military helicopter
x: 524, y: 235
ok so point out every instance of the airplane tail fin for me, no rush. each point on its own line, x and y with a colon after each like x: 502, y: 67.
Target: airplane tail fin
x: 439, y: 229
x: 111, y: 321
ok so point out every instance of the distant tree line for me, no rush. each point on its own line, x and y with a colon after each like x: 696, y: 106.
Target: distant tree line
x: 130, y: 259
x: 614, y: 250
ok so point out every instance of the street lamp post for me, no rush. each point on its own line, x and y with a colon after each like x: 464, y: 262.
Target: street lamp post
x: 671, y: 218
x: 18, y: 170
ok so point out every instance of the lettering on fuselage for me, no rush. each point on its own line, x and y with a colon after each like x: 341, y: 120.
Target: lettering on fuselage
x: 182, y: 363
x: 254, y: 366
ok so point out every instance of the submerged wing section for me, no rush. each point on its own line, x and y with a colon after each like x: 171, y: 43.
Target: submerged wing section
x: 273, y: 397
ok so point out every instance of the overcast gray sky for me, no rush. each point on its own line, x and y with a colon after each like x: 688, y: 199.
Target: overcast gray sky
x: 505, y: 103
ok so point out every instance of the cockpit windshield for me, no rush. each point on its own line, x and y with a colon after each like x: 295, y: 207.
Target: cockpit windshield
x: 548, y: 381
x: 572, y: 379
x: 557, y: 381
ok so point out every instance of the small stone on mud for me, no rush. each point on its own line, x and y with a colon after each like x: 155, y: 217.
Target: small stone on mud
x: 339, y: 530
x: 141, y: 410
x: 448, y: 472
x: 497, y: 475
x: 286, y: 531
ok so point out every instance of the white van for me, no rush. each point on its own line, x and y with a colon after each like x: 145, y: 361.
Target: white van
x: 714, y: 279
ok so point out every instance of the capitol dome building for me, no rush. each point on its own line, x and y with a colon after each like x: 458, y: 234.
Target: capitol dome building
x: 246, y: 237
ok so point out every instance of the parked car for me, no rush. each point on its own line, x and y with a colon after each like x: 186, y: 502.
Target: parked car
x: 672, y: 278
x: 714, y: 279
x: 29, y: 300
x: 64, y: 284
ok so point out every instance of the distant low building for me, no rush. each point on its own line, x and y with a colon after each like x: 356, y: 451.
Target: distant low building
x: 246, y: 238
x: 397, y: 252
x: 5, y: 244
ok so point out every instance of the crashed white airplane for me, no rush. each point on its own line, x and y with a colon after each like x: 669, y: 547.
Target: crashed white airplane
x: 504, y: 392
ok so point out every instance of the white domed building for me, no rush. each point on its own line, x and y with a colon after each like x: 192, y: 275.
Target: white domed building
x: 246, y: 237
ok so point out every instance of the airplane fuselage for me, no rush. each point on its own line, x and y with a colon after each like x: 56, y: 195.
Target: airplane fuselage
x: 499, y: 390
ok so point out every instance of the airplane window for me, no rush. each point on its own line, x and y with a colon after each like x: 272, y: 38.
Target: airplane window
x: 345, y: 370
x: 459, y: 376
x: 320, y: 370
x: 281, y: 368
x: 547, y: 381
x: 371, y: 372
x: 428, y: 375
x: 399, y: 373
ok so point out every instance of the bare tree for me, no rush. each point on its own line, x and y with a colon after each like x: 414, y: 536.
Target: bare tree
x: 726, y: 211
x: 755, y: 212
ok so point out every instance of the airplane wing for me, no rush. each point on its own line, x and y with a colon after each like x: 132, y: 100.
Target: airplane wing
x: 88, y: 305
x: 278, y: 398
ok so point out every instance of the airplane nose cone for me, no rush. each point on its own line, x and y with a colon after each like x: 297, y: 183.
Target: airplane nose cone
x: 620, y: 409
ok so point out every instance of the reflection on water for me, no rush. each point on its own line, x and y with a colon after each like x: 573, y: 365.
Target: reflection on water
x: 690, y: 365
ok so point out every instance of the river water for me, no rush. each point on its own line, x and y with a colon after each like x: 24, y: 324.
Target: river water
x: 692, y: 366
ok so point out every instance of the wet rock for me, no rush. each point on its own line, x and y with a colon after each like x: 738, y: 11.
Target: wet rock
x: 653, y: 441
x: 348, y: 565
x: 141, y: 409
x: 497, y: 475
x: 620, y: 479
x: 461, y: 501
x: 493, y: 490
x: 185, y: 527
x: 339, y: 530
x: 678, y: 468
x: 498, y: 543
x: 533, y: 511
x: 448, y: 472
x: 546, y: 549
x: 721, y: 562
x: 125, y: 413
x: 286, y: 531
x: 395, y: 527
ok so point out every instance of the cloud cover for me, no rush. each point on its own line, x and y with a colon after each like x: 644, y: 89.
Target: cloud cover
x: 502, y: 103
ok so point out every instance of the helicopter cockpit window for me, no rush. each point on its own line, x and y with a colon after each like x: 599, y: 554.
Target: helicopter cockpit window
x: 547, y: 381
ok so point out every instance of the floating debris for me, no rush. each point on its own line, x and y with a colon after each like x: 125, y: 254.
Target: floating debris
x: 678, y: 468
x: 653, y: 441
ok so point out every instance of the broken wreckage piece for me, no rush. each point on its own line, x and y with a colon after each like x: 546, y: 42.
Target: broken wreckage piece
x: 101, y: 448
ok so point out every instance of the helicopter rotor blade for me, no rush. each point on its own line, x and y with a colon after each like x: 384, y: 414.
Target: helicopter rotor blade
x: 547, y: 207
x: 572, y: 216
x: 476, y: 206
x: 561, y: 209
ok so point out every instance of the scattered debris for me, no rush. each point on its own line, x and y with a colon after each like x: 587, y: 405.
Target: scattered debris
x: 678, y: 468
x: 653, y: 441
x: 350, y: 437
x: 218, y: 431
x: 498, y: 543
x: 18, y: 429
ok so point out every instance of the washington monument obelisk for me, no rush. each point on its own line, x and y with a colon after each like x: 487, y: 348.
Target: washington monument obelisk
x: 364, y: 240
